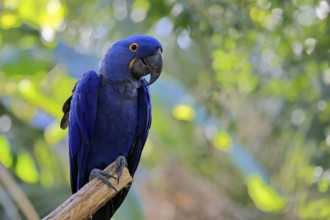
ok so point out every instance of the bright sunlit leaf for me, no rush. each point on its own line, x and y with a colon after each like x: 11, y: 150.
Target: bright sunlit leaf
x: 42, y: 13
x: 8, y: 20
x: 323, y: 186
x: 257, y: 15
x: 316, y: 209
x: 47, y: 16
x: 141, y: 4
x: 224, y: 61
x: 222, y: 141
x: 183, y: 112
x: 234, y: 69
x: 35, y: 97
x: 53, y: 133
x: 25, y: 168
x: 6, y: 157
x: 263, y: 195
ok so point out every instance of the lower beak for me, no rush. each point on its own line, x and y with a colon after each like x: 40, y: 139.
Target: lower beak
x: 148, y: 65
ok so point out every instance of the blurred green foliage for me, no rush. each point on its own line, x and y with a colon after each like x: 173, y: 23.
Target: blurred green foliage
x: 243, y: 101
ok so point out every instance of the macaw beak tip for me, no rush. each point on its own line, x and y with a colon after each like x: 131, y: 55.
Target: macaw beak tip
x: 152, y: 65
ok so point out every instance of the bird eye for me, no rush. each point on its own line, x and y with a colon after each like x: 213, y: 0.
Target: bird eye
x: 133, y: 47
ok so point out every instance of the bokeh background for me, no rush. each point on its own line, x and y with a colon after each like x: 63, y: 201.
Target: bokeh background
x: 240, y: 114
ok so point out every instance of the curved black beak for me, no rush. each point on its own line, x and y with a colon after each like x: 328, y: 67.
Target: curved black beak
x: 152, y: 65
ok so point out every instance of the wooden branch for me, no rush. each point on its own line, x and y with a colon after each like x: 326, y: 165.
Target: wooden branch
x: 90, y: 198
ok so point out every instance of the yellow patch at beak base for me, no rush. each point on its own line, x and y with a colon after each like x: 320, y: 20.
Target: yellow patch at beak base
x: 131, y: 63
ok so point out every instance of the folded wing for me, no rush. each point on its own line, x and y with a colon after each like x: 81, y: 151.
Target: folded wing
x: 79, y: 114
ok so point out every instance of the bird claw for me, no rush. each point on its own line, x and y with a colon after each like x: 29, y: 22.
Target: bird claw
x: 121, y: 164
x: 103, y: 176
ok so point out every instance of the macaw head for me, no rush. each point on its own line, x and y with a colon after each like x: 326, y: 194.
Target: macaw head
x: 133, y: 58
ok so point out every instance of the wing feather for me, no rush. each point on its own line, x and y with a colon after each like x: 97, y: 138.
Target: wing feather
x: 144, y: 123
x: 79, y: 114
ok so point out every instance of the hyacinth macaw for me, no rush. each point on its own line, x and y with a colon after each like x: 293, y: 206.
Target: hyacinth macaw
x: 109, y: 114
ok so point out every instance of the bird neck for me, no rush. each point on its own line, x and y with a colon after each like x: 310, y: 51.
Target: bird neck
x: 115, y: 67
x: 124, y: 88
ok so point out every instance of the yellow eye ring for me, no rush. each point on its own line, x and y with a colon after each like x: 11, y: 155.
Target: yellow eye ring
x: 133, y: 47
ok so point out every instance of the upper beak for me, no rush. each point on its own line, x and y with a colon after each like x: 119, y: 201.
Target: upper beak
x: 152, y: 65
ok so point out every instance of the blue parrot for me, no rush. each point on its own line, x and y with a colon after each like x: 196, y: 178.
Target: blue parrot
x: 109, y: 114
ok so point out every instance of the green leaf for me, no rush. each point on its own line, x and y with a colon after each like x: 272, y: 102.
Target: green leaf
x: 25, y: 168
x: 6, y: 157
x: 263, y: 195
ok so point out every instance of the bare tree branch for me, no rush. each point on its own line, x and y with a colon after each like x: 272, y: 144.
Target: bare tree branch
x: 90, y: 198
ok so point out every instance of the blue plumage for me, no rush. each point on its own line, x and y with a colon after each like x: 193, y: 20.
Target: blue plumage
x: 109, y: 114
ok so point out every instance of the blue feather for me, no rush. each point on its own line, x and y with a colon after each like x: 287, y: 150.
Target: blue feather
x: 144, y: 123
x: 81, y: 127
